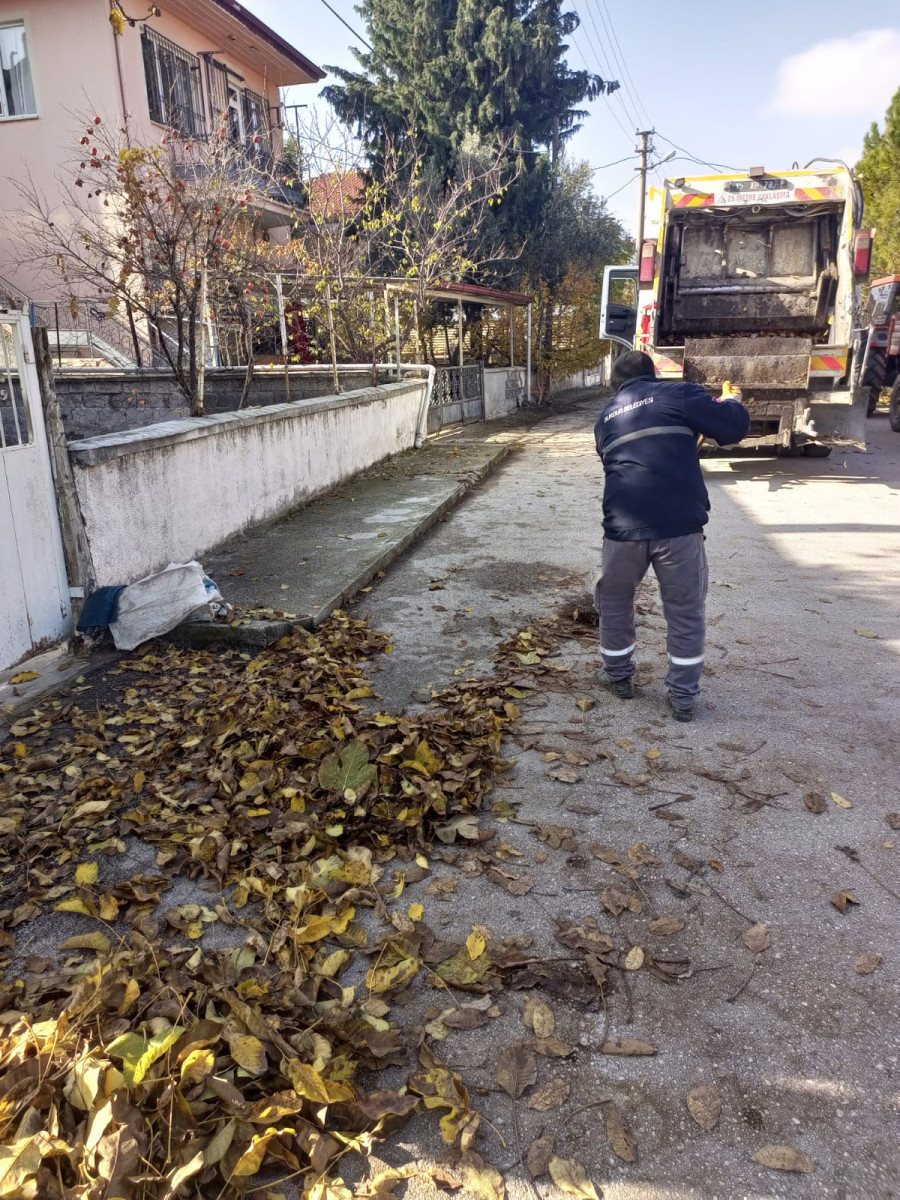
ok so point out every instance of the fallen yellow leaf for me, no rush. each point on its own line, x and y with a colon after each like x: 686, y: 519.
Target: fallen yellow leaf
x: 475, y: 944
x: 839, y: 800
x: 86, y: 873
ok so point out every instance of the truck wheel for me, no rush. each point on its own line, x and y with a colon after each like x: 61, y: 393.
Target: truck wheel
x: 816, y: 450
x: 894, y: 412
x: 872, y: 398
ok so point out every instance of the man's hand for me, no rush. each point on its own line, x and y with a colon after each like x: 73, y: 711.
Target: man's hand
x: 730, y: 391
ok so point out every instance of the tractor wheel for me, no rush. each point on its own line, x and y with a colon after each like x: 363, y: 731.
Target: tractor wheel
x: 872, y: 398
x: 894, y: 413
x: 816, y: 450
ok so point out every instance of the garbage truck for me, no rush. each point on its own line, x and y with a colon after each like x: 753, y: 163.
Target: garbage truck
x: 754, y: 279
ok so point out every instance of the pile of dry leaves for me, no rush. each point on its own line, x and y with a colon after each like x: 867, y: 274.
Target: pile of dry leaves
x: 141, y: 1062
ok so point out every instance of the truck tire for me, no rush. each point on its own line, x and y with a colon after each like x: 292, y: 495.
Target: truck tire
x: 872, y: 397
x: 816, y: 450
x: 894, y: 412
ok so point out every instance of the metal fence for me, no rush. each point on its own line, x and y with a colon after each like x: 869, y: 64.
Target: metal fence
x: 457, y: 396
x: 89, y: 333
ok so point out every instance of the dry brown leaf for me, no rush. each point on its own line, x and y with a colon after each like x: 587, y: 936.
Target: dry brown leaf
x: 565, y: 775
x: 570, y: 1177
x: 550, y: 1047
x: 756, y: 938
x: 550, y: 1096
x: 516, y: 1070
x: 705, y: 1105
x: 815, y: 802
x: 784, y: 1158
x: 539, y: 1155
x: 478, y: 1176
x: 628, y: 1047
x: 641, y: 855
x: 840, y: 900
x: 538, y: 1017
x: 620, y: 1140
x: 607, y: 854
x: 867, y: 963
x: 666, y: 925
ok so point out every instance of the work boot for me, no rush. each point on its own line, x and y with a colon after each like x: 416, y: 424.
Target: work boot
x: 679, y: 713
x: 622, y: 688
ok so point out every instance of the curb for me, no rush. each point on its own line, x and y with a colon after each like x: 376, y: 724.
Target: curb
x: 264, y: 633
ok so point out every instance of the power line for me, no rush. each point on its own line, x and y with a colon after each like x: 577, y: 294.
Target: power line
x: 610, y: 109
x: 693, y: 157
x: 604, y: 62
x: 616, y: 192
x: 620, y: 58
x: 358, y: 36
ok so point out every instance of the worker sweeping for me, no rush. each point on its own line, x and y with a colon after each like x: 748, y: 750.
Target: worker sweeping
x: 655, y: 505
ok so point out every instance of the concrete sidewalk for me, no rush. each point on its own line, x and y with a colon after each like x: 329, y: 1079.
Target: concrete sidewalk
x: 300, y: 569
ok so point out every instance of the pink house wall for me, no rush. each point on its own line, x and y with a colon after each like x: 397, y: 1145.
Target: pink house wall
x: 72, y: 50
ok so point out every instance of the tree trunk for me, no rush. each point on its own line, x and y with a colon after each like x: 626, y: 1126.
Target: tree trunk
x: 79, y: 566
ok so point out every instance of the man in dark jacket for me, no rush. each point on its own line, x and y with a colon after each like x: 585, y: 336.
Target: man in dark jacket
x: 655, y: 505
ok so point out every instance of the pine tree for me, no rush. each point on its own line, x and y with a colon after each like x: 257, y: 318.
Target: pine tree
x: 459, y: 72
x: 879, y: 170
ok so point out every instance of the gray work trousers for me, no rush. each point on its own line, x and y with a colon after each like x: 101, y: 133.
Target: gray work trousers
x: 680, y: 566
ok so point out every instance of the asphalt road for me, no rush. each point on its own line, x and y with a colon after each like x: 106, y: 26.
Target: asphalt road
x: 802, y: 694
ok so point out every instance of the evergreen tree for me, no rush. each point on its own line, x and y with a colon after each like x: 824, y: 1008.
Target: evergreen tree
x: 460, y: 72
x: 879, y: 170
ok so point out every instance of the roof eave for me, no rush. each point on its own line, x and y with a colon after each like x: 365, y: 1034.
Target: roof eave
x: 268, y: 35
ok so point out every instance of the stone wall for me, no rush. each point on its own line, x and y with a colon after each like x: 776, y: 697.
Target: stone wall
x: 93, y: 403
x: 173, y: 491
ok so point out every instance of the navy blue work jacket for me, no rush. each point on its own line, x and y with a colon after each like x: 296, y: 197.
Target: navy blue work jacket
x: 647, y: 438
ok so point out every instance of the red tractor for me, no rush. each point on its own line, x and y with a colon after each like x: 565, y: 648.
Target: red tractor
x: 878, y: 350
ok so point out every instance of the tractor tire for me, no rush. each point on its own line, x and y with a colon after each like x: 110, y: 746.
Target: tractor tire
x: 816, y: 450
x: 894, y: 412
x: 872, y: 398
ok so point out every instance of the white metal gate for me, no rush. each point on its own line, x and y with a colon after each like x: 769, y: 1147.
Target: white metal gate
x: 34, y: 594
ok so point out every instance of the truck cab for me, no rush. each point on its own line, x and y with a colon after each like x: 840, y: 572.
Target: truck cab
x: 754, y: 279
x: 878, y: 345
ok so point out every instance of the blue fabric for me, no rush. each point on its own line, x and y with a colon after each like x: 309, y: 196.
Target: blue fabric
x: 100, y: 608
x: 654, y: 486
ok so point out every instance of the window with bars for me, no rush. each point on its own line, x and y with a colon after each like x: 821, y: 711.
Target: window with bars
x: 244, y: 111
x: 174, y: 92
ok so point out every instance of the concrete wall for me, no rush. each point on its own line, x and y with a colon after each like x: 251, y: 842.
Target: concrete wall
x: 504, y: 390
x: 580, y: 379
x: 174, y: 491
x: 98, y: 402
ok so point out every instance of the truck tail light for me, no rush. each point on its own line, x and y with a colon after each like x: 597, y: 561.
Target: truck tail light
x: 862, y: 252
x: 893, y: 342
x: 648, y: 262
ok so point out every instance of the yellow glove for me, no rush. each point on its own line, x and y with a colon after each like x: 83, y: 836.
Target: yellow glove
x: 730, y: 391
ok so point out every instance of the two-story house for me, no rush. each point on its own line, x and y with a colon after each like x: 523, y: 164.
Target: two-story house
x: 184, y: 64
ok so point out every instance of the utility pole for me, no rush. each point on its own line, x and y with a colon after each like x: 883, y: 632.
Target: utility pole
x: 644, y: 135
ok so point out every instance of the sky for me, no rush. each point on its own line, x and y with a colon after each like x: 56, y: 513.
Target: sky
x: 765, y: 84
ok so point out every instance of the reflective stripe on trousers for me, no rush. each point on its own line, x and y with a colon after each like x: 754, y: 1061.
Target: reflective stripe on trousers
x: 681, y: 569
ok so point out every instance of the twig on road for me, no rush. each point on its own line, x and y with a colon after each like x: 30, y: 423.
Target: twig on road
x: 728, y: 904
x: 731, y: 999
x: 853, y: 855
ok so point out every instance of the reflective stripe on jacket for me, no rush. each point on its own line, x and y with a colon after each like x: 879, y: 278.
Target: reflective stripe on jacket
x: 647, y: 439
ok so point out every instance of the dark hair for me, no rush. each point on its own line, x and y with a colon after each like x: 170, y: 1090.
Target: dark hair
x: 633, y: 364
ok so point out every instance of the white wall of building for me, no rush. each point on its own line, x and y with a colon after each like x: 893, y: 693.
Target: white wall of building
x: 504, y: 390
x: 173, y: 491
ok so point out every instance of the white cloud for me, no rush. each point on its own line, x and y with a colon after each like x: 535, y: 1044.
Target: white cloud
x: 844, y: 76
